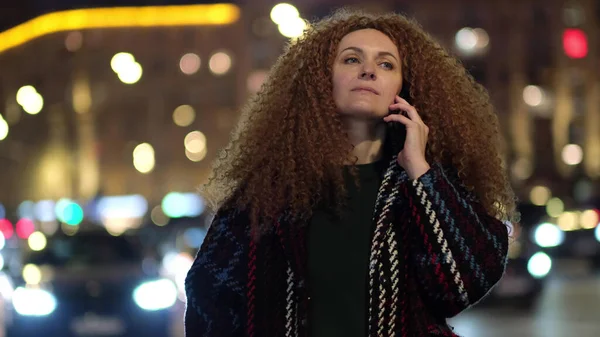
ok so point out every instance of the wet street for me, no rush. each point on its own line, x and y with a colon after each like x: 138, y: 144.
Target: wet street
x: 569, y: 307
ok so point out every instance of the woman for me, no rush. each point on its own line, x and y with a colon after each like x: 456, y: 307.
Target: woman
x: 345, y: 209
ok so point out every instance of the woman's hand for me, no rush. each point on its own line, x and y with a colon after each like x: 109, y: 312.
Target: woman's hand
x: 412, y: 156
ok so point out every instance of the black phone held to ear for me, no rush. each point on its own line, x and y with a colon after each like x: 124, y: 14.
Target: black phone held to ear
x: 396, y: 134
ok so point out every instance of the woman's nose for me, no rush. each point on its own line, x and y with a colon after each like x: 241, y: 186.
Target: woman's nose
x: 367, y: 75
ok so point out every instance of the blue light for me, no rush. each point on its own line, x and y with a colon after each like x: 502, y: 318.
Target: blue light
x: 122, y: 207
x: 155, y: 295
x: 26, y: 210
x: 194, y: 237
x: 44, y: 211
x: 33, y: 302
x: 177, y: 205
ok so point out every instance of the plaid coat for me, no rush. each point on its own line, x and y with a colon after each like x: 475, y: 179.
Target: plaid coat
x: 434, y: 252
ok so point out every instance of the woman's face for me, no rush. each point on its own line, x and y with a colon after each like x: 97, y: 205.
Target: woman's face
x: 367, y: 74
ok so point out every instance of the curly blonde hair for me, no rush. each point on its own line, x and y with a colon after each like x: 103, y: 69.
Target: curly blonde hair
x: 289, y: 147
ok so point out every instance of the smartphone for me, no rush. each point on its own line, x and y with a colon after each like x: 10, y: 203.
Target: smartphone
x: 397, y: 131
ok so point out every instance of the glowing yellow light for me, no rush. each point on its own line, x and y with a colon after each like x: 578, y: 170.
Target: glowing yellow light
x: 568, y: 221
x: 195, y: 142
x: 37, y: 241
x: 32, y: 274
x: 143, y: 158
x: 539, y: 195
x: 24, y: 94
x: 34, y: 104
x: 196, y: 156
x: 82, y: 97
x: 131, y: 74
x: 283, y: 12
x: 118, y: 17
x: 120, y: 61
x: 555, y: 207
x: 589, y: 219
x: 293, y: 28
x: 184, y: 115
x: 3, y: 129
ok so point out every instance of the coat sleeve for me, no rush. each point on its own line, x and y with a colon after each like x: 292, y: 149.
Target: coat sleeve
x: 461, y: 251
x: 215, y: 284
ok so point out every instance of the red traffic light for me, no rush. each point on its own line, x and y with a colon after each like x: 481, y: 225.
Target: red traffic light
x: 575, y: 43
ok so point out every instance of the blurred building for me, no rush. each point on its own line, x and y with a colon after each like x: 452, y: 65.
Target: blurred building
x: 83, y: 122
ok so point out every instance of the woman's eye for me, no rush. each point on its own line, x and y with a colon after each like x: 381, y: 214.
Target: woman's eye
x: 351, y: 60
x: 387, y: 65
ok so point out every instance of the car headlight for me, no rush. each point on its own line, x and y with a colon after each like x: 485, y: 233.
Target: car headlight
x: 598, y: 233
x: 539, y: 265
x: 548, y: 235
x: 155, y: 295
x: 33, y: 302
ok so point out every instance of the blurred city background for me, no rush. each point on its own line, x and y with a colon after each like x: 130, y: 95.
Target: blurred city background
x: 112, y: 111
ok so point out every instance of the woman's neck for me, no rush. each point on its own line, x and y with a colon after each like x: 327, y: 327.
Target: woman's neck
x: 367, y: 137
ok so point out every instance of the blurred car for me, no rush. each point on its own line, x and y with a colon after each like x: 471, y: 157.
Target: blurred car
x: 574, y: 235
x: 528, y: 266
x: 89, y: 284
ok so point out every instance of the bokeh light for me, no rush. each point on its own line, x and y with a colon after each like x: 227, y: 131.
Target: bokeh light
x: 533, y: 95
x: 177, y: 205
x: 189, y: 63
x: 32, y: 274
x: 568, y: 221
x: 589, y: 219
x: 73, y: 41
x: 143, y: 158
x: 184, y: 115
x: 3, y: 128
x: 255, y: 80
x: 471, y: 40
x: 6, y: 228
x: 293, y: 28
x: 26, y: 209
x: 159, y: 217
x: 572, y: 154
x: 37, y: 241
x: 194, y: 237
x: 68, y: 212
x: 283, y: 12
x: 575, y: 44
x: 539, y: 195
x: 30, y: 100
x: 220, y: 63
x: 195, y: 146
x: 120, y: 61
x: 68, y: 229
x: 127, y: 69
x: 45, y: 210
x: 555, y: 207
x: 24, y: 228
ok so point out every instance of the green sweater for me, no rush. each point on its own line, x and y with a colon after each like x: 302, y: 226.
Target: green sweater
x: 338, y: 259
